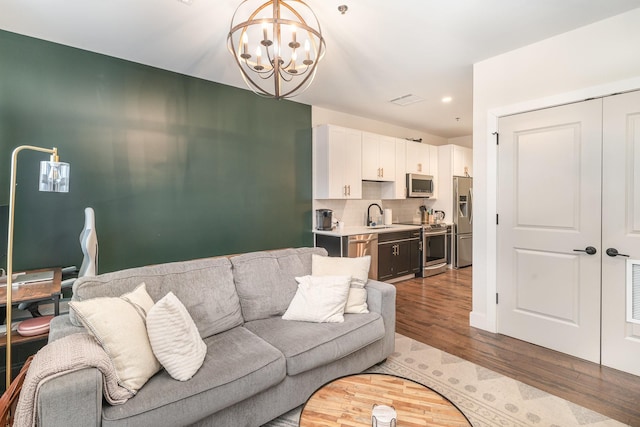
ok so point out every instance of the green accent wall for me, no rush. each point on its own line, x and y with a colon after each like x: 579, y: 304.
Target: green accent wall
x: 175, y: 167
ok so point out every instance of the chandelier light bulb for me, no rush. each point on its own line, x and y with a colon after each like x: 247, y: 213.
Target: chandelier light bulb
x: 258, y: 66
x: 245, y: 45
x: 307, y: 48
x: 294, y: 42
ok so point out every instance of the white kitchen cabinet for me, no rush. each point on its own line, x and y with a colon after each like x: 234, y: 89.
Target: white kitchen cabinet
x: 337, y: 158
x: 462, y: 161
x: 398, y: 188
x: 433, y: 162
x: 418, y: 158
x: 378, y: 157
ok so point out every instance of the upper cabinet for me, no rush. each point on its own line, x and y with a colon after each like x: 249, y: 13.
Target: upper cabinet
x: 462, y: 161
x: 378, y: 157
x: 398, y: 188
x: 419, y: 158
x: 337, y: 156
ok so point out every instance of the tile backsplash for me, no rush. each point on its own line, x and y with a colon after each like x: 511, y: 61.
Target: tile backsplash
x: 354, y: 212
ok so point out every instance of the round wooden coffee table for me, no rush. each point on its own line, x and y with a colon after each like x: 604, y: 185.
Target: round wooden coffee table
x: 348, y: 401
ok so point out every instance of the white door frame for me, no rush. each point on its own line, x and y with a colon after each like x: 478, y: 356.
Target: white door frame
x: 488, y: 320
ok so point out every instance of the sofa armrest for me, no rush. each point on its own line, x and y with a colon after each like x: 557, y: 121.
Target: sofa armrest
x: 61, y: 326
x: 70, y: 400
x: 381, y: 298
x: 74, y: 398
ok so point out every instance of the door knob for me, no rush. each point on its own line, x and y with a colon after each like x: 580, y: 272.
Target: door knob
x: 589, y: 250
x: 614, y: 252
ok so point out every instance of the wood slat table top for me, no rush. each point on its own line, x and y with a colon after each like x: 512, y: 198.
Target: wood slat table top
x: 348, y: 401
x: 34, y: 291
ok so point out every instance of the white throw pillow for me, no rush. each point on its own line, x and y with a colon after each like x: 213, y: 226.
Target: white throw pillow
x: 118, y: 324
x: 357, y: 268
x: 174, y: 338
x: 319, y: 299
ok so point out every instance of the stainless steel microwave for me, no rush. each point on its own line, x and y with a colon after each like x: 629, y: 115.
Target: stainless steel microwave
x: 420, y: 185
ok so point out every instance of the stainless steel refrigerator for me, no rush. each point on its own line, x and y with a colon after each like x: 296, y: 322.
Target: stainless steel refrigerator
x: 463, y: 221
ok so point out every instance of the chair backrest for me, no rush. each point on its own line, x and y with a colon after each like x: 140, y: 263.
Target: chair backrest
x: 89, y: 245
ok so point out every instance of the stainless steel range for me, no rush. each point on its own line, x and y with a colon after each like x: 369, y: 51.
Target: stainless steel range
x: 434, y: 249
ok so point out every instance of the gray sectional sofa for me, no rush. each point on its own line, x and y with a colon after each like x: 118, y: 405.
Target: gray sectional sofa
x: 258, y: 366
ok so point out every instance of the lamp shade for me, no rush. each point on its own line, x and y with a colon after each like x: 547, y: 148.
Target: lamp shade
x: 54, y: 177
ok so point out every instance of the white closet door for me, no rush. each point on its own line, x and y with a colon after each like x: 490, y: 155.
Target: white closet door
x: 621, y: 231
x: 549, y: 205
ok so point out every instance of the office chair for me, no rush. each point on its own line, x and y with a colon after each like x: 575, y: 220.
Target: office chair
x: 89, y: 267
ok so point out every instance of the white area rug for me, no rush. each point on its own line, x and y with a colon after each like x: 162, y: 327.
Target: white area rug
x: 485, y: 397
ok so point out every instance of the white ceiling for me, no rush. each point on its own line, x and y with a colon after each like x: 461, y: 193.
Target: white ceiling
x: 377, y: 51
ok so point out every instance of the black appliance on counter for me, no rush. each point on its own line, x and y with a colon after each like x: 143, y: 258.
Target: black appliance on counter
x: 324, y: 218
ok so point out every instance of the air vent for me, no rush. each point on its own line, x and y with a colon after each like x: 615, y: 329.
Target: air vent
x: 406, y: 100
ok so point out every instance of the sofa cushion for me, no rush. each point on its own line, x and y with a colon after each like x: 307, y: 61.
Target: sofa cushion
x: 204, y: 286
x: 309, y: 345
x: 118, y: 324
x: 319, y: 299
x: 237, y: 366
x: 357, y: 268
x: 174, y: 338
x: 266, y: 282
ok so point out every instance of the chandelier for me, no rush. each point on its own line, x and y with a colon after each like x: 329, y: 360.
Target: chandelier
x: 277, y: 46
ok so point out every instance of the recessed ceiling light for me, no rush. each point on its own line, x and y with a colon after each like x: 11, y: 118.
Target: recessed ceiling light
x: 447, y: 99
x: 406, y: 100
x: 187, y: 2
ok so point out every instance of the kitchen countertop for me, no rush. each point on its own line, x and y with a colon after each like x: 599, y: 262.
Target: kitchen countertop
x: 361, y: 229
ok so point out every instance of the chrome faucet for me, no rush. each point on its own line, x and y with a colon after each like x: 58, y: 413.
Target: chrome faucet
x: 369, y: 221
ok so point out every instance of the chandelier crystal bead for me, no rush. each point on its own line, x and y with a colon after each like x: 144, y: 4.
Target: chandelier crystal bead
x: 269, y: 42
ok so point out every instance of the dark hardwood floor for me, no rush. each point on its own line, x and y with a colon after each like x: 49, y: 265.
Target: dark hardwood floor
x: 435, y: 311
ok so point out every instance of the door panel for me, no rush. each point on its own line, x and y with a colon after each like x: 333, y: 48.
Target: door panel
x: 557, y: 148
x: 386, y: 255
x: 541, y: 274
x: 549, y: 187
x: 620, y: 228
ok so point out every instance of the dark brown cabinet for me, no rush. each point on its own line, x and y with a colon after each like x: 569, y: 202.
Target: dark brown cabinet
x: 415, y: 253
x: 398, y: 254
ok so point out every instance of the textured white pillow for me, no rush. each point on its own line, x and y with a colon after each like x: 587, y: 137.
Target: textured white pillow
x: 357, y: 268
x: 118, y: 324
x: 319, y: 299
x: 174, y: 338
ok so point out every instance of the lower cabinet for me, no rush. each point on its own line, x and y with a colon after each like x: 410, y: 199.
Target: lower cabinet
x: 415, y: 252
x: 398, y: 254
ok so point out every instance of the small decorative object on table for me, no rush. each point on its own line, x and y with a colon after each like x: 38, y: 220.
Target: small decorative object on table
x: 383, y: 416
x: 34, y: 326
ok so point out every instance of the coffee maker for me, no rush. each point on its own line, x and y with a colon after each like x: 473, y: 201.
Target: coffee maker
x: 323, y: 219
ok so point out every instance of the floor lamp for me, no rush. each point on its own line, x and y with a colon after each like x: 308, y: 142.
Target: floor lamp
x: 54, y: 177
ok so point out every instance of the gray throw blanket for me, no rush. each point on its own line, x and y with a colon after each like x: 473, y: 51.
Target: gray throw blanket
x: 65, y: 355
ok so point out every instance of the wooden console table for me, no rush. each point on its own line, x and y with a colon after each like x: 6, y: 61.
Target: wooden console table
x: 32, y: 292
